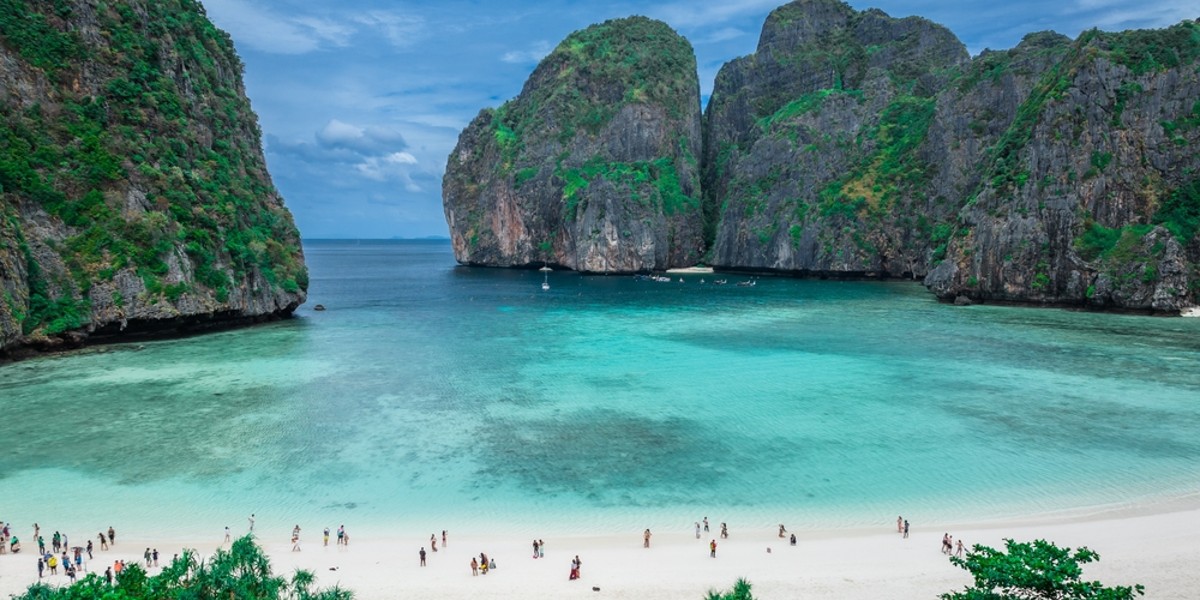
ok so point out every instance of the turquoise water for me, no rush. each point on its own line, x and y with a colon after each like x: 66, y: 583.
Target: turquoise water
x: 431, y: 397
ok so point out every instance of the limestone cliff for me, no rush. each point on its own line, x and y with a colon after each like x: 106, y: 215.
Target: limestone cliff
x: 594, y: 166
x: 133, y: 191
x: 1091, y: 195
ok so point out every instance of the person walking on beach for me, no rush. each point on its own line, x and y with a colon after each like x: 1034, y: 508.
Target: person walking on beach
x: 712, y: 549
x: 541, y: 548
x: 422, y: 555
x: 296, y: 539
x: 41, y: 545
x: 112, y: 536
x: 41, y: 567
x: 697, y: 529
x: 574, y: 570
x: 906, y: 529
x: 724, y: 531
x: 474, y: 567
x: 782, y: 530
x: 52, y: 562
x: 226, y: 534
x: 251, y: 519
x: 536, y: 548
x: 103, y: 541
x: 443, y: 538
x: 433, y: 542
x: 146, y: 556
x: 483, y: 563
x: 958, y: 550
x: 899, y: 524
x: 326, y: 537
x: 341, y: 534
x: 706, y: 524
x: 154, y: 555
x: 646, y: 539
x: 108, y: 575
x: 89, y: 549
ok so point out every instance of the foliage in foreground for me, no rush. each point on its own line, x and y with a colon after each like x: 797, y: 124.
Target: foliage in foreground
x: 1033, y: 570
x: 740, y: 591
x: 243, y: 572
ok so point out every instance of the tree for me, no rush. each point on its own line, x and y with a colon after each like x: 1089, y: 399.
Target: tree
x: 1033, y: 571
x: 740, y: 591
x: 241, y: 573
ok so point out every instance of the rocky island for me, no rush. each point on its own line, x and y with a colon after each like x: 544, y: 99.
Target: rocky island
x: 852, y: 144
x: 134, y: 196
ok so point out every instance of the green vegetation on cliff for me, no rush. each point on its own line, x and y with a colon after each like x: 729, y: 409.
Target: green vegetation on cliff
x: 148, y: 160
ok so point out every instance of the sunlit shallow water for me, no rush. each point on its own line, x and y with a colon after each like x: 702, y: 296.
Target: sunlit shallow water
x: 430, y: 396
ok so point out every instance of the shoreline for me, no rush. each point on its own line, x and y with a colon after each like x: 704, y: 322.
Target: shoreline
x: 1147, y: 544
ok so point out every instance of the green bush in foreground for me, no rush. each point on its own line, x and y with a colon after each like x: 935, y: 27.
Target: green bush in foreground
x: 740, y: 591
x: 1033, y: 570
x: 242, y: 572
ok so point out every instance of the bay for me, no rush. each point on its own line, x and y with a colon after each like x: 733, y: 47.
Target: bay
x: 432, y: 396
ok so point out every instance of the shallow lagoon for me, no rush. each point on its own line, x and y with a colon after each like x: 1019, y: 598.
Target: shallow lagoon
x: 431, y: 396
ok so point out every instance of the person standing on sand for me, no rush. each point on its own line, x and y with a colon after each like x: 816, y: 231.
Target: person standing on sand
x: 541, y: 548
x: 226, y: 534
x: 326, y: 537
x: 146, y: 556
x: 697, y: 529
x: 906, y: 529
x: 251, y: 520
x: 782, y: 530
x: 103, y: 542
x: 41, y: 567
x: 724, y: 531
x: 899, y: 524
x: 36, y: 531
x: 958, y: 551
x: 474, y: 567
x: 712, y: 549
x: 706, y: 524
x: 646, y: 539
x: 536, y: 548
x: 433, y: 542
x: 793, y: 539
x: 155, y: 556
x: 443, y: 538
x: 89, y: 549
x: 578, y: 566
x: 112, y: 536
x: 108, y: 575
x: 422, y: 555
x: 341, y: 534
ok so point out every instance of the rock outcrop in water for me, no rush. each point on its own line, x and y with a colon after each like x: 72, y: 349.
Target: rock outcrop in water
x: 134, y: 196
x: 856, y: 144
x: 594, y: 166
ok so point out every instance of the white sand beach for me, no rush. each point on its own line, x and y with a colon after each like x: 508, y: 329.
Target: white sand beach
x: 1160, y: 551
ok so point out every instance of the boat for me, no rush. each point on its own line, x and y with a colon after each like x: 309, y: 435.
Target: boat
x: 747, y: 283
x: 545, y: 278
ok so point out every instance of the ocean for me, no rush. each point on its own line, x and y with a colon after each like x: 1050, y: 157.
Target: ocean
x: 431, y: 396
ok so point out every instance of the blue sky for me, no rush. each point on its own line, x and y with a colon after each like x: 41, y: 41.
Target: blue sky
x: 361, y: 101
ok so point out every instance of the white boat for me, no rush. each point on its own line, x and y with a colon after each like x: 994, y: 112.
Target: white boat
x: 545, y: 278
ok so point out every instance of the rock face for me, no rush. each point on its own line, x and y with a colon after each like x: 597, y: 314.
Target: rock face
x: 856, y: 144
x: 1091, y: 196
x: 594, y: 166
x: 133, y: 191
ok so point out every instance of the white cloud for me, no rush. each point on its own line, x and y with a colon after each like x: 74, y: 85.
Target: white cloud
x: 722, y: 35
x: 394, y: 166
x: 400, y: 30
x: 365, y: 140
x: 535, y: 53
x: 260, y: 28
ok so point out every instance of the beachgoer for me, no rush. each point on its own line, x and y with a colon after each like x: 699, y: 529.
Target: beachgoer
x: 906, y: 529
x: 251, y: 519
x: 52, y: 562
x: 112, y: 536
x: 697, y: 529
x: 958, y: 551
x: 491, y: 564
x: 483, y: 565
x: 155, y: 556
x: 706, y: 524
x: 433, y: 542
x: 36, y: 531
x: 422, y: 555
x: 541, y: 548
x: 341, y: 534
x: 296, y: 531
x: 89, y: 549
x: 782, y: 530
x: 578, y: 565
x: 103, y: 541
x: 474, y: 567
x: 295, y: 542
x: 712, y: 549
x: 226, y: 533
x: 535, y: 548
x: 56, y: 541
x: 793, y: 539
x: 146, y: 555
x: 899, y: 525
x: 724, y: 531
x: 443, y: 538
x: 41, y: 567
x: 574, y: 574
x: 327, y: 536
x: 41, y: 545
x: 108, y: 575
x: 646, y: 539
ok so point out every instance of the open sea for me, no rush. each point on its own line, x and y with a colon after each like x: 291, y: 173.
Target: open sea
x: 431, y: 396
